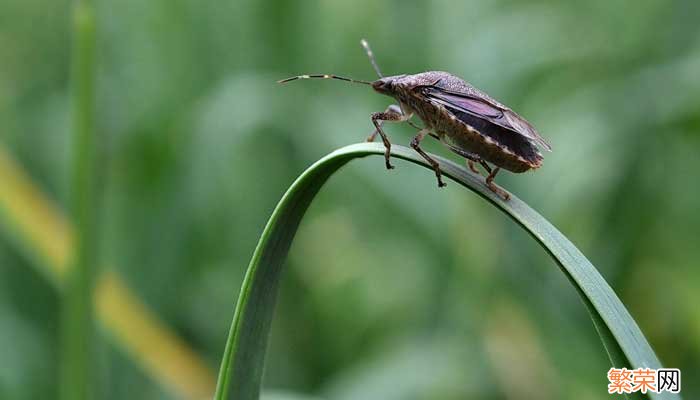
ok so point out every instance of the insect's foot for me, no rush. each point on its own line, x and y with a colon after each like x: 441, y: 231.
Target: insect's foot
x: 441, y: 184
x: 499, y: 192
x: 389, y: 166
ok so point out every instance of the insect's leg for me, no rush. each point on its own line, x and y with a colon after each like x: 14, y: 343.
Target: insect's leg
x: 386, y: 116
x: 415, y: 143
x: 392, y: 108
x: 373, y: 135
x: 471, y: 159
x: 472, y: 167
x: 486, y: 166
x: 419, y: 128
x: 494, y: 188
x: 481, y: 162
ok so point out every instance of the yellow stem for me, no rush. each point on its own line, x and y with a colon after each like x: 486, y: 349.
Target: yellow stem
x: 40, y: 229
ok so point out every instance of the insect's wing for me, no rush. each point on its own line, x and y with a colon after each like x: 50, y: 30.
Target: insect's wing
x: 488, y: 110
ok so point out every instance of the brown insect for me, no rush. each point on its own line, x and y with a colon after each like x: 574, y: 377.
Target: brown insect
x: 463, y: 118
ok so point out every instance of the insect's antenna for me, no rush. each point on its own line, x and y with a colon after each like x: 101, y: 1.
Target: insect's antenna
x: 324, y: 76
x: 365, y: 46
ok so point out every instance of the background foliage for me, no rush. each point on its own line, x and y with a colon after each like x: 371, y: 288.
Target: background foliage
x: 395, y: 289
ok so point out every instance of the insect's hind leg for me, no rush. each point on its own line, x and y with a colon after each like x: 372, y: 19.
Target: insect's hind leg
x: 494, y: 188
x: 471, y: 158
x: 481, y: 162
x: 377, y: 118
x: 392, y: 108
x: 415, y: 144
x: 472, y: 167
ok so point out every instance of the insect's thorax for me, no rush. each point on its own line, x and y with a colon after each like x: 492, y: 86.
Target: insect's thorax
x: 433, y: 116
x: 412, y: 103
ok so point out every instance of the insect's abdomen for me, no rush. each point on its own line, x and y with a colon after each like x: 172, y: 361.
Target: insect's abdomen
x: 470, y: 140
x: 491, y: 142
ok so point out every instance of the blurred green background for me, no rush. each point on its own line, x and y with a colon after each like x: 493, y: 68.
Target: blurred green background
x: 395, y: 289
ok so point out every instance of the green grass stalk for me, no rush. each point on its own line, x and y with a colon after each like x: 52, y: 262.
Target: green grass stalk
x: 77, y: 341
x: 242, y: 364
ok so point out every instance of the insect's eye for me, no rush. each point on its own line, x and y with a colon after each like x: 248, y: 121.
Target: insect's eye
x: 382, y: 86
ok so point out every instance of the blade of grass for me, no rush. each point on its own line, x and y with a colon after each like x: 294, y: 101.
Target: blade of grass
x: 240, y: 374
x: 78, y: 335
x: 39, y: 229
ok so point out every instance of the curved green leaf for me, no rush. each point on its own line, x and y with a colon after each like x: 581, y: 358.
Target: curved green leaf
x: 242, y: 365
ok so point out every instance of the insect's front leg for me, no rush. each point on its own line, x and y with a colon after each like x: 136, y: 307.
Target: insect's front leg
x: 415, y: 143
x: 386, y: 116
x: 392, y: 108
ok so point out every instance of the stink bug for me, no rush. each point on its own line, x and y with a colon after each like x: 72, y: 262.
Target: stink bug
x: 463, y: 118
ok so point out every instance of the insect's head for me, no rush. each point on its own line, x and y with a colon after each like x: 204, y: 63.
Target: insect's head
x: 384, y: 85
x: 387, y: 85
